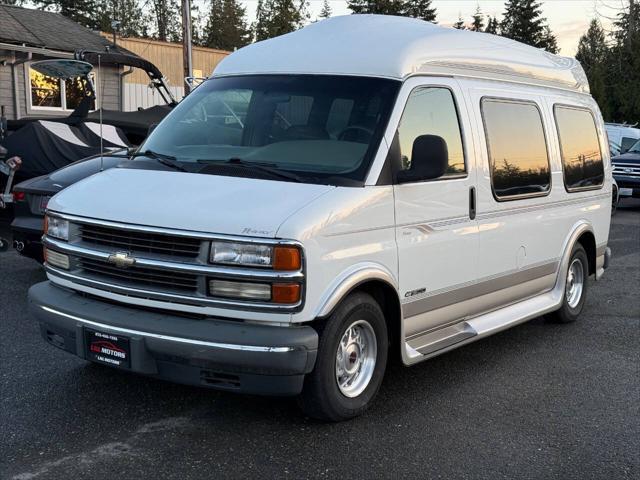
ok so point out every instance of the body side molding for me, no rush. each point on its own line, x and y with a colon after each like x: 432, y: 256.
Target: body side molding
x: 497, y: 320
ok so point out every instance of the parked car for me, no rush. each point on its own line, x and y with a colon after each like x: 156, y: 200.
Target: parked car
x: 375, y: 182
x: 626, y: 171
x: 621, y: 137
x: 32, y: 196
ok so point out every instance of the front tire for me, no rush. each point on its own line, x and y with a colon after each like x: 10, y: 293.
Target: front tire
x: 575, y: 292
x: 352, y: 357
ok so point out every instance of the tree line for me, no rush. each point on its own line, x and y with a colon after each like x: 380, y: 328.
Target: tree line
x: 611, y: 59
x: 223, y: 24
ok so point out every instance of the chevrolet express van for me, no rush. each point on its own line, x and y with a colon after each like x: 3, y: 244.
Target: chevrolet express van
x: 364, y: 187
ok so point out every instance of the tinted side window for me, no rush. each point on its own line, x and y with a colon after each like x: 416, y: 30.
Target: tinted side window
x: 517, y: 148
x: 581, y: 156
x: 432, y: 111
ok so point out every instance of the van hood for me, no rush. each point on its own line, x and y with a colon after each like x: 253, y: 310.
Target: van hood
x: 187, y: 201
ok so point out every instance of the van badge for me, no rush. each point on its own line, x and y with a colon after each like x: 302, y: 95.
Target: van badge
x: 412, y: 293
x: 121, y: 259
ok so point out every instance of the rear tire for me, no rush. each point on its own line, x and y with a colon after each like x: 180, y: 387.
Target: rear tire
x: 352, y: 357
x: 575, y: 292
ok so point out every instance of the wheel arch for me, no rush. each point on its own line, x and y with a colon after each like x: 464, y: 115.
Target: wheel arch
x: 377, y: 282
x: 582, y: 233
x: 588, y: 241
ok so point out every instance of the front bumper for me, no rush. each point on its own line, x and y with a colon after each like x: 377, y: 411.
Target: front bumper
x: 627, y: 182
x: 224, y: 355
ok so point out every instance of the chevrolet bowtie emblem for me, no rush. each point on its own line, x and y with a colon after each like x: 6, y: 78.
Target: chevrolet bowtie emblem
x: 121, y: 260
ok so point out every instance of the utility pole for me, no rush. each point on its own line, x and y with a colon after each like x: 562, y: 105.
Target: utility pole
x: 187, y: 65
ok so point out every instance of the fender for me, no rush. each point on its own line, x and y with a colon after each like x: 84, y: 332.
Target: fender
x: 577, y: 230
x: 350, y: 279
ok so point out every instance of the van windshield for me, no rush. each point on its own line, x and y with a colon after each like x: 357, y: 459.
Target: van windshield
x: 315, y: 129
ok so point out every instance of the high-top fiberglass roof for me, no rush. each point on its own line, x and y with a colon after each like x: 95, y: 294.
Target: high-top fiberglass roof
x: 396, y: 47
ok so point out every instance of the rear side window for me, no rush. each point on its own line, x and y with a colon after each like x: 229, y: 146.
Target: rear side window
x: 517, y: 146
x: 580, y: 148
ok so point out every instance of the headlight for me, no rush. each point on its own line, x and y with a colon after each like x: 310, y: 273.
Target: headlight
x: 56, y: 227
x: 255, y: 255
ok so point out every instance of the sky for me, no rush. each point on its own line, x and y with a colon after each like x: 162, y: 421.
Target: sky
x: 568, y: 19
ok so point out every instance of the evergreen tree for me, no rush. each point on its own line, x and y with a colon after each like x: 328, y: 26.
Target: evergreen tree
x: 548, y: 40
x: 421, y: 9
x: 326, y: 10
x: 381, y: 7
x: 127, y: 12
x: 166, y: 18
x: 478, y: 21
x: 492, y: 25
x: 197, y: 27
x: 460, y: 23
x: 523, y: 21
x: 80, y: 11
x: 226, y: 27
x: 592, y: 54
x: 277, y: 17
x: 623, y: 66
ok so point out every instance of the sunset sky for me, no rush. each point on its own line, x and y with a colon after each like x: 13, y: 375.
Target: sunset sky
x: 568, y: 19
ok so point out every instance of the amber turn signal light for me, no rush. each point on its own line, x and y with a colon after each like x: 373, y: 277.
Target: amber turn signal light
x: 286, y: 293
x: 286, y: 258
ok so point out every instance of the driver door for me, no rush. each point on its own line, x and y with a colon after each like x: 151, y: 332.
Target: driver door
x: 436, y: 231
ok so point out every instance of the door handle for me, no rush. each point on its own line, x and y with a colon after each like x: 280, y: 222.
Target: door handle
x: 472, y: 203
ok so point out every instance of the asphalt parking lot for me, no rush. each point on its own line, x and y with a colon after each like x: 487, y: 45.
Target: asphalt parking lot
x: 538, y: 401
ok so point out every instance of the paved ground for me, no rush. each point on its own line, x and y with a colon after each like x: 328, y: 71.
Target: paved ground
x: 537, y: 401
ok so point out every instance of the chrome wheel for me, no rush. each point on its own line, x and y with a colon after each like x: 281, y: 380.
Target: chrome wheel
x: 575, y: 283
x: 356, y: 358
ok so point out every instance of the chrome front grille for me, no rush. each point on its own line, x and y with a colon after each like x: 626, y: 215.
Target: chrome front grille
x: 143, y: 242
x: 140, y: 277
x: 626, y: 169
x: 170, y: 266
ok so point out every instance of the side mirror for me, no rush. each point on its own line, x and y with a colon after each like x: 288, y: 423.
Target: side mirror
x: 429, y: 160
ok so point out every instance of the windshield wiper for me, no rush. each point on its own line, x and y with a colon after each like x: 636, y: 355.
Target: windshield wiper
x: 261, y: 167
x: 163, y: 158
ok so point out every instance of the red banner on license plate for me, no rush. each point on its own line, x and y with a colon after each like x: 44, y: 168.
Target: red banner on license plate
x: 107, y: 348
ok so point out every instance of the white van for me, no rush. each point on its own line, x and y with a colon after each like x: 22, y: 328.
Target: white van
x: 366, y: 186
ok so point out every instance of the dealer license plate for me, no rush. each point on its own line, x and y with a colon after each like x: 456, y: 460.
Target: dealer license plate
x: 107, y: 348
x: 626, y: 192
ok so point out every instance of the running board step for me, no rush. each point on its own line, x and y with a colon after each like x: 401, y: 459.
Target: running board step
x: 433, y: 341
